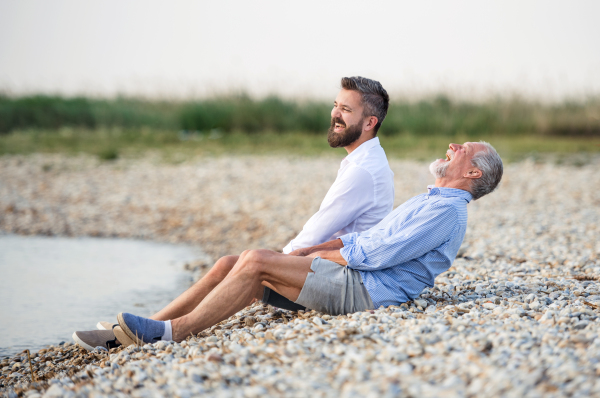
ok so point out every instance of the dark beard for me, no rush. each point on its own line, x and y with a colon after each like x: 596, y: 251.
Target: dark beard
x: 350, y: 135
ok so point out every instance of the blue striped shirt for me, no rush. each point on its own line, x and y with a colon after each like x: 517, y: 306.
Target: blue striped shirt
x: 402, y: 255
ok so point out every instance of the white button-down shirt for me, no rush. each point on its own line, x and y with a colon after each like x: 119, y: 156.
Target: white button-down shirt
x: 361, y: 196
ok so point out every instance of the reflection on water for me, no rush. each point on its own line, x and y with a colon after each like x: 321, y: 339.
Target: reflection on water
x: 51, y: 287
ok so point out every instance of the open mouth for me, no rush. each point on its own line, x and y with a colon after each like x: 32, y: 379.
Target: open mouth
x: 338, y: 124
x: 449, y: 154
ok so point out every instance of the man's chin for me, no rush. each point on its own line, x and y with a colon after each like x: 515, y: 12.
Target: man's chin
x: 343, y: 138
x: 435, y: 163
x: 438, y: 168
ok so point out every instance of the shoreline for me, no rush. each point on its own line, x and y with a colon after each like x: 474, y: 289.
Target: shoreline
x: 518, y: 313
x: 79, y: 281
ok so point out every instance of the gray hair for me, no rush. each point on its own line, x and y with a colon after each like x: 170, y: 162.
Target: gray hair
x: 374, y: 97
x: 490, y: 164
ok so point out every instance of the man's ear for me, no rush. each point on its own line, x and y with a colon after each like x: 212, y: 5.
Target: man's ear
x: 371, y: 123
x: 473, y: 173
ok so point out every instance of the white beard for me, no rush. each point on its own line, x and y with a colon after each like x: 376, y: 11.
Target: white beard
x: 438, y: 168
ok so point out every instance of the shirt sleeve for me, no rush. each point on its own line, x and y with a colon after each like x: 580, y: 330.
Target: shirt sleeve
x: 351, y: 195
x: 401, y: 242
x: 349, y: 239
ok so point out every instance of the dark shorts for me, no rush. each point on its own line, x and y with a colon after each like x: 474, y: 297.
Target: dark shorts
x: 275, y: 299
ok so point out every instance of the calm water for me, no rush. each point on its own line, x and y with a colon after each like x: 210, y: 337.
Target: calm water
x: 51, y: 287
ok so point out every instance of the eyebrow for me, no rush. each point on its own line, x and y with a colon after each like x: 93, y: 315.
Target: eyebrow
x: 343, y: 105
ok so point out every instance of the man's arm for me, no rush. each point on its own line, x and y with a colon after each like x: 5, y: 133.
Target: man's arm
x: 327, y: 251
x: 335, y: 244
x: 331, y: 255
x: 401, y: 242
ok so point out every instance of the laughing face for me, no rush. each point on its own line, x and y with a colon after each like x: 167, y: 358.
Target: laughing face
x: 457, y: 161
x: 346, y: 119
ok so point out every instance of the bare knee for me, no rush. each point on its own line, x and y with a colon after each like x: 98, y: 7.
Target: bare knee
x: 244, y: 254
x: 223, y: 266
x: 253, y: 261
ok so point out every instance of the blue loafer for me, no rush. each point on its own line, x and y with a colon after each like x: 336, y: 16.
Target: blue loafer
x: 141, y: 330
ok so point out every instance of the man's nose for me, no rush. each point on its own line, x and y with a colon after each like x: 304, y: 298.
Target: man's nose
x: 335, y: 112
x: 454, y: 146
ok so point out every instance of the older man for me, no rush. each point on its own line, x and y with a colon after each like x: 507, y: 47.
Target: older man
x: 389, y: 264
x: 362, y: 194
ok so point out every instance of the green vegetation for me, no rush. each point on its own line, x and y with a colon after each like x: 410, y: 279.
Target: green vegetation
x: 110, y: 144
x: 122, y: 127
x: 47, y: 112
x: 439, y: 116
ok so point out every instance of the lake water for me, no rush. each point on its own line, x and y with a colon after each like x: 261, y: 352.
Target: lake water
x: 51, y: 287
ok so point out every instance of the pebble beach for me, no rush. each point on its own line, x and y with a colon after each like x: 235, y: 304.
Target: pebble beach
x: 517, y: 315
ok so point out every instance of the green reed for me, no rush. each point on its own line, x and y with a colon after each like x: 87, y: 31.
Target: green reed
x: 437, y: 116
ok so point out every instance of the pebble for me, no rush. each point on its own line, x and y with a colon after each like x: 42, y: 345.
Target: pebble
x: 518, y: 313
x: 421, y: 303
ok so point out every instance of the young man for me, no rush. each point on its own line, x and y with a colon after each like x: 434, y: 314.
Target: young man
x: 389, y: 264
x: 361, y: 196
x: 363, y: 192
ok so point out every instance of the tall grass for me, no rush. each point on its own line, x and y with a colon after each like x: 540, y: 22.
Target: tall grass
x: 114, y: 143
x: 52, y: 112
x: 439, y: 116
x: 245, y: 114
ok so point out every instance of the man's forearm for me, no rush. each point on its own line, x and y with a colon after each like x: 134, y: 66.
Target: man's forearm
x: 331, y: 255
x: 335, y: 244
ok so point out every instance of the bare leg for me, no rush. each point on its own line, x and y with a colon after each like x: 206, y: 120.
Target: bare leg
x: 254, y: 270
x: 190, y: 299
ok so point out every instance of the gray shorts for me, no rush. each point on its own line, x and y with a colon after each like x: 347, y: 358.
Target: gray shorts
x: 330, y: 288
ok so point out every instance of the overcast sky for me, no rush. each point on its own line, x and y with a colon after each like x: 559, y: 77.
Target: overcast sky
x: 542, y: 49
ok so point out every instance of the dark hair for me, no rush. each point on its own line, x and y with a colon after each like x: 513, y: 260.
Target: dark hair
x: 374, y: 97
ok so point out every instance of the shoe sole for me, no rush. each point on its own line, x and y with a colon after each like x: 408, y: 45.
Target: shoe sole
x: 128, y: 331
x: 119, y: 334
x: 81, y: 343
x: 122, y: 337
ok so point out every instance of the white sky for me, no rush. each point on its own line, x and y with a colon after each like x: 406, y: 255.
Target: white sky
x: 543, y: 49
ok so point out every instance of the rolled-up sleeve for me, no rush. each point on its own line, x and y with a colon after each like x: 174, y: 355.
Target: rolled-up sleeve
x: 403, y: 241
x: 349, y: 239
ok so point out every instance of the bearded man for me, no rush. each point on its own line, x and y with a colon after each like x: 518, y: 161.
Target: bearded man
x: 360, y: 197
x: 363, y: 192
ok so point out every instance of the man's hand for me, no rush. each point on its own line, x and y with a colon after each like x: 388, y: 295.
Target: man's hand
x: 335, y: 244
x: 331, y: 255
x: 300, y: 252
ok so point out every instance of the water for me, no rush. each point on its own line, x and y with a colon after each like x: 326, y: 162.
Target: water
x: 51, y: 287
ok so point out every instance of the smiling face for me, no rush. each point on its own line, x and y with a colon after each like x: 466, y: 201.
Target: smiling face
x: 456, y: 170
x: 346, y: 119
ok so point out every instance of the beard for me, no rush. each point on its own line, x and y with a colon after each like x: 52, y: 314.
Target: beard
x: 438, y: 168
x: 345, y: 138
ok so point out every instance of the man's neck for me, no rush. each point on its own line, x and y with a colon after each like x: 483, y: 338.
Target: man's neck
x: 361, y: 140
x: 444, y: 183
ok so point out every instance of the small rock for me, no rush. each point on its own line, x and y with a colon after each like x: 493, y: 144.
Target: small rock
x: 581, y: 325
x: 214, y: 358
x: 421, y: 303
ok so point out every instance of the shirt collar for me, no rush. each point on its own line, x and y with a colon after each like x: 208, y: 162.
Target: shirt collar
x: 362, y: 149
x: 449, y: 192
